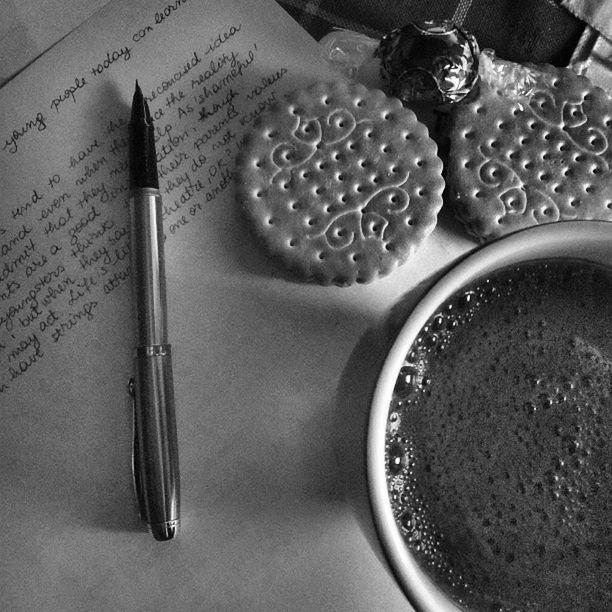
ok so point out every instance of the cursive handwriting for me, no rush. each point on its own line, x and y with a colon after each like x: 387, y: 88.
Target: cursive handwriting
x: 69, y: 93
x: 222, y: 37
x: 110, y: 59
x: 68, y: 250
x: 10, y: 143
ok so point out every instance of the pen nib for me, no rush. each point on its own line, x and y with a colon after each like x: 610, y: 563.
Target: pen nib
x: 140, y: 108
x: 143, y: 160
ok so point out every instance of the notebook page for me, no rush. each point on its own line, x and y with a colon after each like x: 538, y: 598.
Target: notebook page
x: 258, y: 358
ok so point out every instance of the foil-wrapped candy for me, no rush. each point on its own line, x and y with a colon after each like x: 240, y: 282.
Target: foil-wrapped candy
x: 432, y: 63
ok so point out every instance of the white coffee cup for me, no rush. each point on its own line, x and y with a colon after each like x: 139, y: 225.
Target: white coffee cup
x: 586, y: 240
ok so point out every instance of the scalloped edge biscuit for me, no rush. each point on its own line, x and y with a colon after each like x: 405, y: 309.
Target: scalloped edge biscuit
x: 340, y: 182
x: 514, y: 164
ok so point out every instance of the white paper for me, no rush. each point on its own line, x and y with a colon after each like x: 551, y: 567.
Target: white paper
x: 273, y: 376
x: 27, y: 29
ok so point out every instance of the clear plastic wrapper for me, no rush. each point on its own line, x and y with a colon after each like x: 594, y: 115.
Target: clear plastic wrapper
x: 432, y: 63
x: 509, y: 79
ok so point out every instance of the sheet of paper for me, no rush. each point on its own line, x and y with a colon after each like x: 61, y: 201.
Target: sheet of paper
x: 273, y: 376
x: 27, y: 29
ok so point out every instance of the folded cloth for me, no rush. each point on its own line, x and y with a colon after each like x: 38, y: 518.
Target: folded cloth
x: 597, y: 13
x: 518, y: 30
x: 593, y: 54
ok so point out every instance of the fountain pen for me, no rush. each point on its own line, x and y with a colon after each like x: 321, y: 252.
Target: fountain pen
x: 155, y: 458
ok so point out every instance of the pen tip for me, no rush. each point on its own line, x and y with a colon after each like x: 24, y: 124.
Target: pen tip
x: 138, y: 98
x: 140, y: 108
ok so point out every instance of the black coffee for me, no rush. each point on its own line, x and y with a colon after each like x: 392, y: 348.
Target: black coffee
x: 499, y: 443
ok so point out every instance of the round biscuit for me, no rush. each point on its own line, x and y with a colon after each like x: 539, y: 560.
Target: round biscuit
x: 340, y: 182
x: 518, y: 163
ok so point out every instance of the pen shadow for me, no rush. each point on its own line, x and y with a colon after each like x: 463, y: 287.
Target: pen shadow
x: 110, y: 116
x: 116, y: 507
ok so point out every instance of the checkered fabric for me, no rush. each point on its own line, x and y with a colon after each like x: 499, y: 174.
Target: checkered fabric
x: 519, y: 30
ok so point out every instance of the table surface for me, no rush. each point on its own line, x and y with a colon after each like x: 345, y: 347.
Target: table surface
x: 30, y: 28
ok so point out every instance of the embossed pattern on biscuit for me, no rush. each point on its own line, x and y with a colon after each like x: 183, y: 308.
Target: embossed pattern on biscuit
x: 515, y: 164
x: 340, y: 182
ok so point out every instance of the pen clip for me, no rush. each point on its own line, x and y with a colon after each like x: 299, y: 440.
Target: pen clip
x: 136, y: 463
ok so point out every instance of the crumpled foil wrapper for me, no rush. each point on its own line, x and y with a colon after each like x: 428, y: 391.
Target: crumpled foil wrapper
x: 430, y: 63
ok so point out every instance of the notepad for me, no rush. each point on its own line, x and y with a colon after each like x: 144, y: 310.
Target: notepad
x: 258, y: 356
x: 208, y: 70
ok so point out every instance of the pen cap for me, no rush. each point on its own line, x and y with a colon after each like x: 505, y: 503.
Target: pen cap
x: 156, y: 448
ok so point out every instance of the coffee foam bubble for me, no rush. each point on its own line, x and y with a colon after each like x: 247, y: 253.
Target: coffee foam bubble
x: 499, y: 438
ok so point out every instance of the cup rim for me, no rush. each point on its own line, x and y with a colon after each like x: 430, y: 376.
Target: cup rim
x: 589, y: 240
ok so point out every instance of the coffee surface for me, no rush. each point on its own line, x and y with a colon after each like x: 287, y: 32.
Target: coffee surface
x: 499, y: 442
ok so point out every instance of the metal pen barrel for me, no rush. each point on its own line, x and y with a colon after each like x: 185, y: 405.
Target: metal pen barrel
x: 149, y: 282
x: 156, y: 446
